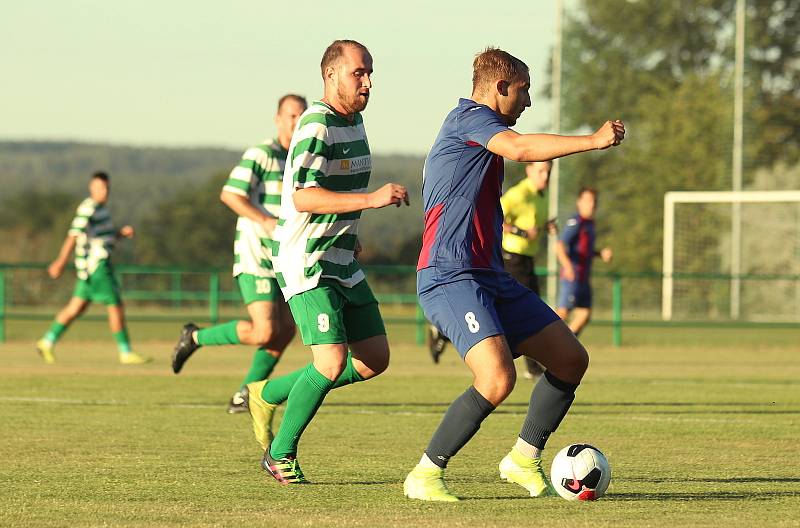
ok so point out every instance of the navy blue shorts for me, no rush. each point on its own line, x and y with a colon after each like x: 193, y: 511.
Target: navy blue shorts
x: 470, y: 307
x: 574, y: 294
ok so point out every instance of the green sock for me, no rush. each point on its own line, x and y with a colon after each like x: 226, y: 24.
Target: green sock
x: 349, y: 374
x: 55, y: 331
x: 224, y: 334
x: 304, y: 399
x: 277, y: 390
x: 261, y: 367
x: 123, y: 343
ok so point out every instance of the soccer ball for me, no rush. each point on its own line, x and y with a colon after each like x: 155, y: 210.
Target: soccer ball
x: 580, y: 472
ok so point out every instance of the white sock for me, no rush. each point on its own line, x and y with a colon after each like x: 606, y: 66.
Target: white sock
x: 527, y: 450
x: 427, y: 463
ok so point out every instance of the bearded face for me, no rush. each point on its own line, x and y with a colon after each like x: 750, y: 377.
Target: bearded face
x: 353, y: 81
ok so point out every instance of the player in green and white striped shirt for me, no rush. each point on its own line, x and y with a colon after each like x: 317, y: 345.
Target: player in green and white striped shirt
x: 324, y: 192
x: 92, y: 235
x: 253, y: 191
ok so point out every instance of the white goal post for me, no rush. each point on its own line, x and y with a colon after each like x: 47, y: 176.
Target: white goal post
x: 736, y: 199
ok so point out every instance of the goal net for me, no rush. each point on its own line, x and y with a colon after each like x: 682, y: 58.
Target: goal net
x: 732, y: 256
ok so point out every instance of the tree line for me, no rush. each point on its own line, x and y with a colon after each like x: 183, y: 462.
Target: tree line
x: 666, y: 69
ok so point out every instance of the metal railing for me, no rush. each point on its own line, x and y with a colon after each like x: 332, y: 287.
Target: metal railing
x: 199, y: 293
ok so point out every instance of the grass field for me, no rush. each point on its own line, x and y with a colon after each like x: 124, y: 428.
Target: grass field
x: 697, y: 434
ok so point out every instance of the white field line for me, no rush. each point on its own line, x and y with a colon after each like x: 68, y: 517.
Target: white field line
x: 333, y: 410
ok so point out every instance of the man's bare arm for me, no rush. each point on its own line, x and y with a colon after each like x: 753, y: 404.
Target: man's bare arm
x: 323, y: 201
x: 544, y: 147
x: 566, y: 263
x: 56, y: 268
x: 241, y: 206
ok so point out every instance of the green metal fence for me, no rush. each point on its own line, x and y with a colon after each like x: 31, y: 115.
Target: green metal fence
x: 167, y: 293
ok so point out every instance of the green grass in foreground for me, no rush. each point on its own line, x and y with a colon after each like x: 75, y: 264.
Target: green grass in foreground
x: 695, y: 436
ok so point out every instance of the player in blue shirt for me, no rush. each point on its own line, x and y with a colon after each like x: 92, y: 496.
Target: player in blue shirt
x: 466, y: 293
x: 575, y: 251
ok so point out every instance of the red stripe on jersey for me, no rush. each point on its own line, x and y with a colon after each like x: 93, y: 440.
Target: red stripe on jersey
x: 483, y: 220
x: 473, y: 144
x: 429, y: 234
x: 584, y: 251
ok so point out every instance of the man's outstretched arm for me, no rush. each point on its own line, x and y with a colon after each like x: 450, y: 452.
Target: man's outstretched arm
x: 323, y: 201
x: 544, y: 147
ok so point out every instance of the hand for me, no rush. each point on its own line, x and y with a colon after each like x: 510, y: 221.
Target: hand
x: 357, y: 251
x: 268, y: 225
x: 532, y: 232
x: 506, y: 228
x: 391, y: 193
x: 126, y: 231
x: 606, y: 254
x: 552, y: 228
x: 55, y: 269
x: 610, y: 134
x: 569, y: 273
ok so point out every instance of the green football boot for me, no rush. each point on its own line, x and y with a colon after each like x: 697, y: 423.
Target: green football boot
x: 427, y: 484
x: 527, y: 472
x: 284, y: 470
x: 260, y: 411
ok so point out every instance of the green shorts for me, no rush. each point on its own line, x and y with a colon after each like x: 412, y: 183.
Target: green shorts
x: 331, y: 314
x: 101, y: 286
x: 254, y: 288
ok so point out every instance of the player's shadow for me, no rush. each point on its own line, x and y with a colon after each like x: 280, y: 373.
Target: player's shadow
x: 715, y: 495
x: 708, y: 496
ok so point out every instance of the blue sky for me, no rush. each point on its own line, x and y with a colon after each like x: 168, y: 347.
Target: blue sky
x: 202, y: 73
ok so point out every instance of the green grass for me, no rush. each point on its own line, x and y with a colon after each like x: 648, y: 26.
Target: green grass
x: 696, y: 435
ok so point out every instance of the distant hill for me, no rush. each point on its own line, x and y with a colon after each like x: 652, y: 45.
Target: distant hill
x: 143, y: 177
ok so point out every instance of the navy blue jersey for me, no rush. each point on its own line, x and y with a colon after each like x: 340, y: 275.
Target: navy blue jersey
x: 578, y: 237
x: 461, y: 188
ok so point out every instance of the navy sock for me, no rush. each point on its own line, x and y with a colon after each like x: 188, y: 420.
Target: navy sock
x: 550, y: 400
x: 460, y: 423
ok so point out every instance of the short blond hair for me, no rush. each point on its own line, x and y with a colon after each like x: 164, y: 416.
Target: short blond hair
x: 492, y: 65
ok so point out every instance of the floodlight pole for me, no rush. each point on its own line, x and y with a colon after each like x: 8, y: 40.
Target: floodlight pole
x: 736, y: 208
x: 552, y: 240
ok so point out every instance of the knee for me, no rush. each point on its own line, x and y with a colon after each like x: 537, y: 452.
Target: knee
x: 497, y: 387
x: 372, y: 365
x: 578, y: 362
x: 379, y: 364
x: 331, y: 368
x: 263, y: 334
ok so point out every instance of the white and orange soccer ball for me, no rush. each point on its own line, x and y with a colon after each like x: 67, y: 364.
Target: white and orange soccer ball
x: 580, y: 472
